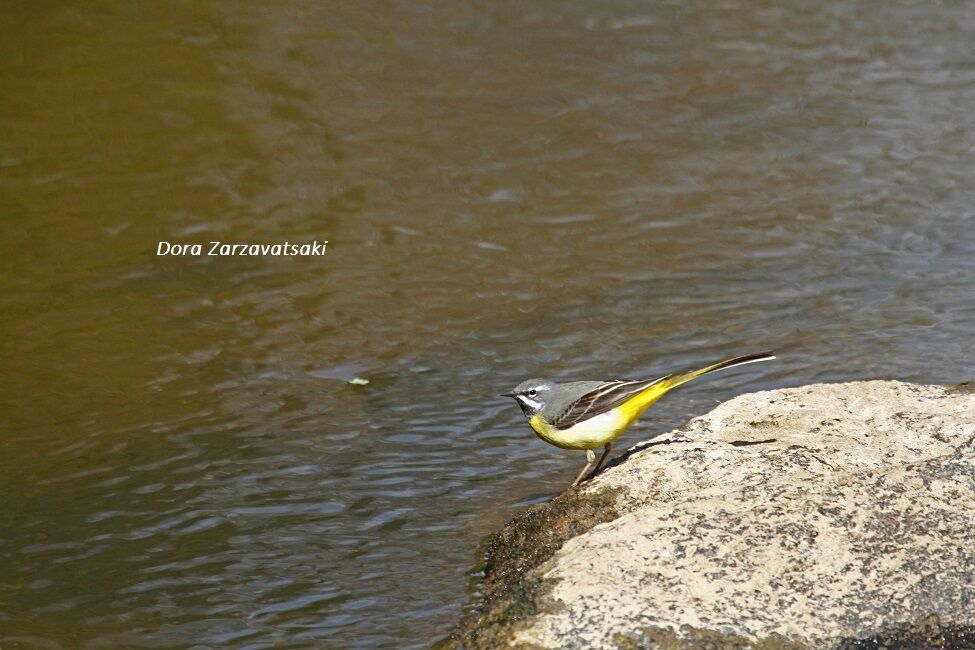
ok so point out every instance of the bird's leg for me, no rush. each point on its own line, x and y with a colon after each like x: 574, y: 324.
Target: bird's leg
x: 590, y: 458
x: 602, y: 459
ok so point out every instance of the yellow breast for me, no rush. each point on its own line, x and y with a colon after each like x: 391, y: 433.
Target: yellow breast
x: 588, y: 434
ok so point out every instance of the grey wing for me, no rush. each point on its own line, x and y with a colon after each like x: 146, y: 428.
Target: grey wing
x: 604, y: 397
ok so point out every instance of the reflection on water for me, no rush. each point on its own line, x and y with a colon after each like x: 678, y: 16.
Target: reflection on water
x: 581, y: 190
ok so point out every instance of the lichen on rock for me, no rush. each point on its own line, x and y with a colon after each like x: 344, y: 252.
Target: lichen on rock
x: 510, y: 590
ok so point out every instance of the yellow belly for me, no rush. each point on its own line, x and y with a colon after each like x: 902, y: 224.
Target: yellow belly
x: 589, y: 434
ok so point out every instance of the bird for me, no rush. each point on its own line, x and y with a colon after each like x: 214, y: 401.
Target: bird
x: 590, y: 414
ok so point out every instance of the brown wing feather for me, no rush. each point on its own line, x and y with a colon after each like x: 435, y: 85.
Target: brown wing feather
x: 604, y: 397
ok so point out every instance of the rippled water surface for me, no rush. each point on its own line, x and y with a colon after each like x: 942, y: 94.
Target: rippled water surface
x: 574, y: 189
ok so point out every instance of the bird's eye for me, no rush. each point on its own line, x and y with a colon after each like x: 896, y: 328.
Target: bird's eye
x: 531, y: 392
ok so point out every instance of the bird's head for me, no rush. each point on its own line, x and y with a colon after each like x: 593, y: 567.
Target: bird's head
x: 532, y: 395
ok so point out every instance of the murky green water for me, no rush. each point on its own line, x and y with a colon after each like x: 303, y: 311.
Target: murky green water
x: 583, y: 190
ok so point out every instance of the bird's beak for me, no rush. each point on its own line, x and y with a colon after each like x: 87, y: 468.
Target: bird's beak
x: 507, y: 394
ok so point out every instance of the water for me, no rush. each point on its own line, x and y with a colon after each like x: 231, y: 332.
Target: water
x: 573, y: 189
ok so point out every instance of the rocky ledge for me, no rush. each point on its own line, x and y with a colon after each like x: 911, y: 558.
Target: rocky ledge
x: 824, y: 516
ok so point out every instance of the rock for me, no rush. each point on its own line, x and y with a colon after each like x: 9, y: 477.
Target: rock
x: 831, y: 515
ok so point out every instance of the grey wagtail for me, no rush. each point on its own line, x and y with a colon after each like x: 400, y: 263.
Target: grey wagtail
x: 587, y: 414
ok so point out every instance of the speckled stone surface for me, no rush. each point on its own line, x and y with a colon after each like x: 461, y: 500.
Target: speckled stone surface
x: 804, y: 516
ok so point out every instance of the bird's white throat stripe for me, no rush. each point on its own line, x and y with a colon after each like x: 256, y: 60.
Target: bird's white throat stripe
x: 528, y: 402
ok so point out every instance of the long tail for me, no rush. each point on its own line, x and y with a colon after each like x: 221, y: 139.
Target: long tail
x: 673, y: 381
x: 658, y: 389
